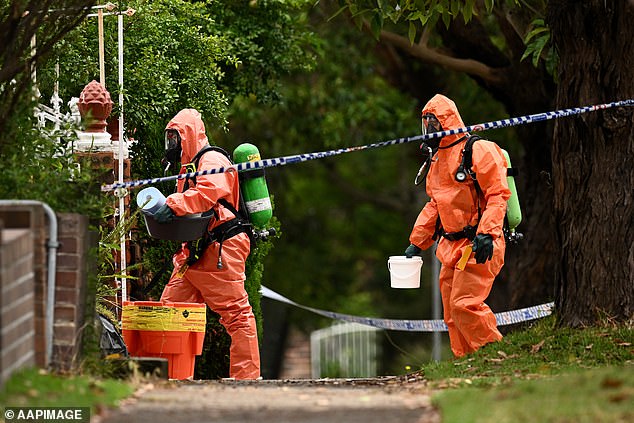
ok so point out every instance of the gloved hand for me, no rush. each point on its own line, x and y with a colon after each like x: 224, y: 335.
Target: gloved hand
x: 483, y: 247
x: 412, y: 250
x: 164, y: 214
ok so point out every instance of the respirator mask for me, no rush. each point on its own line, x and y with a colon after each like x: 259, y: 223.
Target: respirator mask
x: 173, y: 149
x: 429, y: 124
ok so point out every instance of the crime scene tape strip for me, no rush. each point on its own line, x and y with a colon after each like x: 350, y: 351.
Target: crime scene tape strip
x: 505, y: 318
x: 281, y: 161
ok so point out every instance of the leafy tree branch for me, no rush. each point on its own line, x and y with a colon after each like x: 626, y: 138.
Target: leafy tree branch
x: 424, y: 52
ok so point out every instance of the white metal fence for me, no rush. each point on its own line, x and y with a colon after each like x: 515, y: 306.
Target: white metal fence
x: 345, y: 350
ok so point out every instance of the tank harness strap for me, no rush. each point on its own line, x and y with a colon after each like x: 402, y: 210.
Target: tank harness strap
x: 468, y: 231
x: 193, y: 165
x: 225, y: 231
x: 467, y: 164
x: 231, y: 228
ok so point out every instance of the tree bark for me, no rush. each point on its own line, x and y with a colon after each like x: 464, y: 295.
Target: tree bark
x: 593, y: 172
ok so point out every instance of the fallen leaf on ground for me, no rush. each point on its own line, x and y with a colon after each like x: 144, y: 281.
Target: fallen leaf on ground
x: 535, y: 348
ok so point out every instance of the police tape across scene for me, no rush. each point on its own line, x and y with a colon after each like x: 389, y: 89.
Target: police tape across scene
x: 504, y: 318
x: 281, y: 161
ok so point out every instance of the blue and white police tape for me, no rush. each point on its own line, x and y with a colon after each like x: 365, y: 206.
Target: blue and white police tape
x: 505, y: 318
x: 281, y: 161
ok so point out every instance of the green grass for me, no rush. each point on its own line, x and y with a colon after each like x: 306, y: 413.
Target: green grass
x: 597, y: 395
x: 37, y: 388
x: 541, y: 374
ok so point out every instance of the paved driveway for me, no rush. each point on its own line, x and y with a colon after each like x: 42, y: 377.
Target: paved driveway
x: 388, y: 399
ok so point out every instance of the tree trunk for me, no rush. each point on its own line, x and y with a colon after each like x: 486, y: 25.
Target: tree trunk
x: 593, y: 172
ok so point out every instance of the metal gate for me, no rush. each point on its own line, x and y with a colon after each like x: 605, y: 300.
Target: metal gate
x: 344, y: 350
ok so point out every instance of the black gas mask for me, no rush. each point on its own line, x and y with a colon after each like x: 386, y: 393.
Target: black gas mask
x: 173, y: 149
x: 429, y: 124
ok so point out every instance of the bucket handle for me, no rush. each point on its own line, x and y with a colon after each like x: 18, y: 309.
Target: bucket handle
x: 404, y: 277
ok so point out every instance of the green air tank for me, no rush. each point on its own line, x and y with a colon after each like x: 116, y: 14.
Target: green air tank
x: 253, y: 186
x: 513, y: 211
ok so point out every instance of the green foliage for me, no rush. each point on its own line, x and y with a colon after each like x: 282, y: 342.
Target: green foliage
x: 255, y: 272
x: 538, y: 46
x: 22, y: 23
x: 425, y: 14
x: 268, y: 40
x: 416, y: 13
x: 180, y: 54
x: 40, y: 165
x: 108, y: 254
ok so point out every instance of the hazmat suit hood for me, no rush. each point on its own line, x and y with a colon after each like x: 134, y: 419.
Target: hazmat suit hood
x: 447, y: 114
x: 203, y: 193
x: 190, y: 126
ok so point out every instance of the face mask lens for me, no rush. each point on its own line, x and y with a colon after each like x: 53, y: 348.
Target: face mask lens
x: 430, y: 124
x: 172, y: 139
x: 172, y: 149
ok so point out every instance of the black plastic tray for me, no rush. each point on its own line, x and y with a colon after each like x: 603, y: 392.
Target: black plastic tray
x: 179, y: 229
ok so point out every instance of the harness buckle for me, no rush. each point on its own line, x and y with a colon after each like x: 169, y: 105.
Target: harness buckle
x: 468, y: 232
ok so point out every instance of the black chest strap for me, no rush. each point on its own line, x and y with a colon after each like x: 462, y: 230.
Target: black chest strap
x: 193, y: 165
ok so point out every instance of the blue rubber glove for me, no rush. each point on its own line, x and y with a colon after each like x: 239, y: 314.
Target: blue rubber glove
x: 483, y: 247
x: 164, y: 214
x: 412, y: 250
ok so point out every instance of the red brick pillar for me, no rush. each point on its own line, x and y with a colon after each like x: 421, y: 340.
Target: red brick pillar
x: 73, y: 263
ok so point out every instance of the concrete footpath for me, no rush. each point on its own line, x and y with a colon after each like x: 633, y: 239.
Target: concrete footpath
x: 403, y: 399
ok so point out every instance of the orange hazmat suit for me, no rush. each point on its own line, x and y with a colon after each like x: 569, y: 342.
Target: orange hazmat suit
x: 470, y: 321
x: 222, y: 289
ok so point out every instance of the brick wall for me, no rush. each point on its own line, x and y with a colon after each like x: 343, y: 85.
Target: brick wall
x: 17, y: 301
x: 73, y: 262
x: 33, y: 217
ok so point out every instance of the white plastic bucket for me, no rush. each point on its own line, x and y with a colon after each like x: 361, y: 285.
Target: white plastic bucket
x: 405, y: 272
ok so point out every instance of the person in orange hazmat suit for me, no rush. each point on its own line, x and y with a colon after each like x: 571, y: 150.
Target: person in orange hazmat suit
x: 463, y: 217
x: 217, y: 276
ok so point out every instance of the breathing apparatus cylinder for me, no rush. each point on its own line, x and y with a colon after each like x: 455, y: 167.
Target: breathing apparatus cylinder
x: 513, y: 211
x: 253, y: 186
